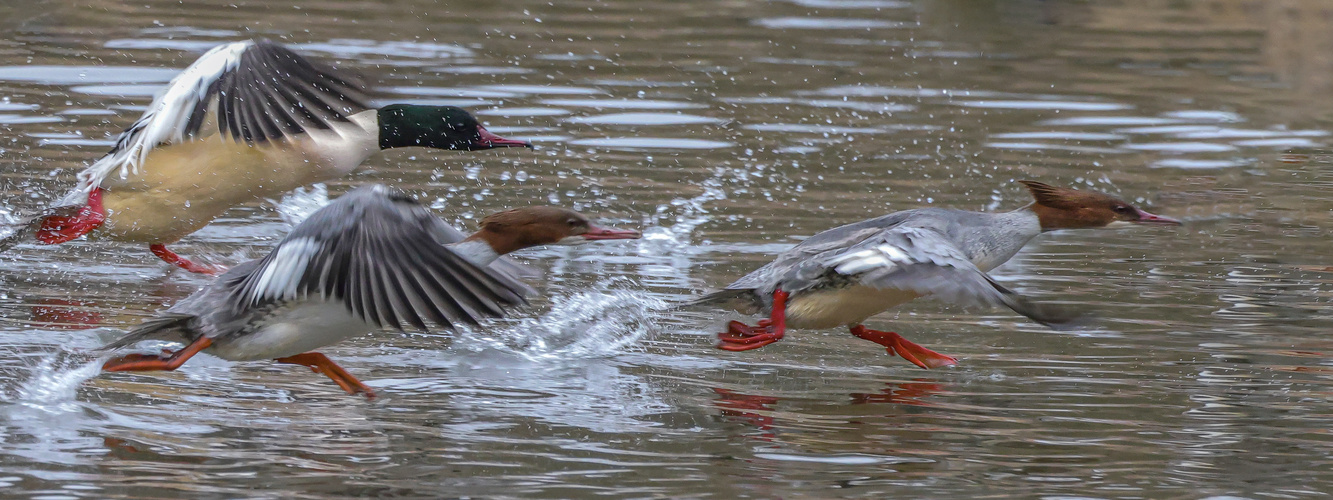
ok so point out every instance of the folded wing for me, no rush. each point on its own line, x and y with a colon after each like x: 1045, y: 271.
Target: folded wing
x: 924, y: 261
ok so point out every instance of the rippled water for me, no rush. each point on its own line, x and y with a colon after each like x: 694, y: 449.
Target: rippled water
x: 727, y: 131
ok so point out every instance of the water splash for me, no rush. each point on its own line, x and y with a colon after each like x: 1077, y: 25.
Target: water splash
x: 298, y: 204
x: 579, y: 325
x: 664, y: 239
x: 9, y: 226
x: 7, y: 217
x: 53, y: 382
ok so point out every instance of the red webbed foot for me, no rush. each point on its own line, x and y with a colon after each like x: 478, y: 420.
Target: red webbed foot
x: 742, y: 337
x: 60, y: 228
x: 909, y: 350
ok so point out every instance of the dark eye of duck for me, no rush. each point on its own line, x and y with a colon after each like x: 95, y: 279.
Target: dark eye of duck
x: 1123, y: 209
x: 574, y: 222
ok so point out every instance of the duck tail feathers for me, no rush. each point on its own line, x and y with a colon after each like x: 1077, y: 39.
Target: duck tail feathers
x: 165, y: 327
x: 735, y: 298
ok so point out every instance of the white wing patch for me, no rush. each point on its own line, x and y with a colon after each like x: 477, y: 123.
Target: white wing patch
x: 281, y: 278
x: 883, y: 257
x: 164, y: 122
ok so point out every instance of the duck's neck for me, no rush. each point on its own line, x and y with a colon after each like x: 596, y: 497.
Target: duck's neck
x: 1051, y: 219
x: 1024, y: 221
x: 484, y: 246
x: 477, y: 251
x: 993, y: 239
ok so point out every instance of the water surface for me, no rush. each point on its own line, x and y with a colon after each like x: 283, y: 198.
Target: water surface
x: 727, y: 131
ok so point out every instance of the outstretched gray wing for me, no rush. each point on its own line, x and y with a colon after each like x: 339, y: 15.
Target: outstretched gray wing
x: 924, y: 261
x: 376, y: 250
x: 825, y: 242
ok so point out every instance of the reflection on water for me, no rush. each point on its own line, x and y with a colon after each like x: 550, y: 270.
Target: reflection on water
x: 727, y: 132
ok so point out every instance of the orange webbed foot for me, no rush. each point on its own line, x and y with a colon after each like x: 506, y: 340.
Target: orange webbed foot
x: 320, y: 363
x: 166, y: 361
x: 61, y: 228
x: 172, y: 258
x: 742, y: 337
x: 909, y: 350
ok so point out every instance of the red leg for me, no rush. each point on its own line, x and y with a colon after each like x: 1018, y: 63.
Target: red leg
x: 320, y: 363
x: 151, y: 362
x: 56, y: 229
x: 170, y: 257
x: 742, y: 337
x: 909, y: 350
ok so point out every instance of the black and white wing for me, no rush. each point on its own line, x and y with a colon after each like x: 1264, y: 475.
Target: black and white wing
x: 924, y: 261
x: 251, y: 92
x: 375, y: 250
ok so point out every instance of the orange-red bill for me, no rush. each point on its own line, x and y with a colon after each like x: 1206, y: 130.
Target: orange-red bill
x: 487, y: 140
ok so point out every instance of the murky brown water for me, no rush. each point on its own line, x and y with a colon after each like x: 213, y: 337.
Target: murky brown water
x: 728, y: 130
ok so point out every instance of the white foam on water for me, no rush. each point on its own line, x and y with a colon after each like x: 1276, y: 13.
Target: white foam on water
x: 9, y: 224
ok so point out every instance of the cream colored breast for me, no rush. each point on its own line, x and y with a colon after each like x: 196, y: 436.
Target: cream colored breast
x: 836, y: 307
x: 182, y: 187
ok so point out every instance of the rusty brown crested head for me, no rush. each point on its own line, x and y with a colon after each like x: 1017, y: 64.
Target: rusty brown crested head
x: 1065, y: 208
x: 525, y: 227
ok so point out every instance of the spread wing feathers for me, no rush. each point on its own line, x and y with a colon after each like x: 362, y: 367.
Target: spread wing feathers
x: 924, y: 261
x: 260, y: 91
x: 376, y: 252
x: 274, y: 93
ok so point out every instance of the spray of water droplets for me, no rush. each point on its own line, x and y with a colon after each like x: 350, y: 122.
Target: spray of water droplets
x: 578, y: 325
x: 675, y: 238
x: 53, y: 382
x: 298, y: 204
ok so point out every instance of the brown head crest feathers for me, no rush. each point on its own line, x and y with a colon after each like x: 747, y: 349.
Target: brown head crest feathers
x: 1065, y: 208
x: 538, y: 225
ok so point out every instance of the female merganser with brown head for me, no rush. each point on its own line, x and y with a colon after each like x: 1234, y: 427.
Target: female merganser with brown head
x: 372, y: 259
x: 845, y: 275
x: 248, y: 120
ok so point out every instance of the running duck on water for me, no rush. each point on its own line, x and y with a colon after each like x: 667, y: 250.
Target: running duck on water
x: 246, y: 121
x: 844, y: 275
x: 371, y: 259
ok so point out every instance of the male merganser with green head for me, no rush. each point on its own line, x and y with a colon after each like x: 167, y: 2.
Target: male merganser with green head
x: 248, y: 120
